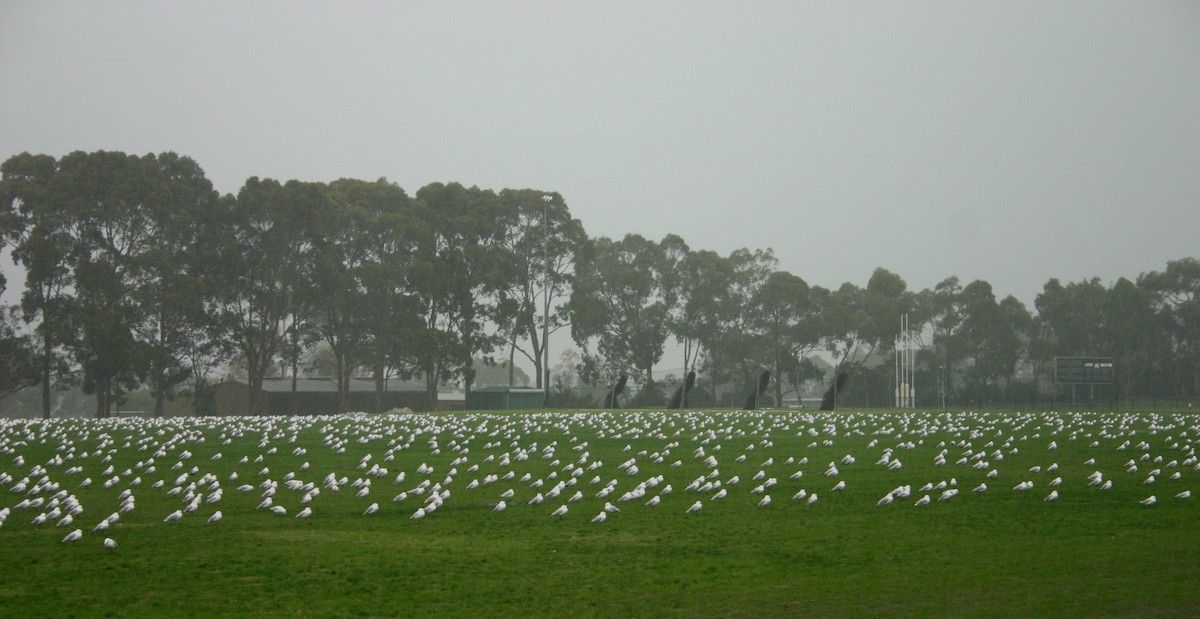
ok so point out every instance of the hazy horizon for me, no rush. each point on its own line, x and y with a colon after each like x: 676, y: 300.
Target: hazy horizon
x: 1010, y: 142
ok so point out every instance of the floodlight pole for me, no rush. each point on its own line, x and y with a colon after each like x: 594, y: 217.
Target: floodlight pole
x: 942, y: 384
x: 546, y: 299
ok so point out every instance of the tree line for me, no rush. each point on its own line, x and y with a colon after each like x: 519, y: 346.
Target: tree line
x: 139, y: 275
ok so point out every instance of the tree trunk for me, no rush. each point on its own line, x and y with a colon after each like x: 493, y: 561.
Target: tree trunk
x: 295, y: 369
x: 340, y: 364
x: 160, y: 397
x: 377, y: 407
x: 512, y: 354
x: 431, y: 389
x: 254, y: 379
x: 46, y: 349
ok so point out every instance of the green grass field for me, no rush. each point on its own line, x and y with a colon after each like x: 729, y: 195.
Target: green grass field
x: 998, y: 553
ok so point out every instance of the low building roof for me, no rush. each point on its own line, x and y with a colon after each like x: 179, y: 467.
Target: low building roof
x: 328, y: 385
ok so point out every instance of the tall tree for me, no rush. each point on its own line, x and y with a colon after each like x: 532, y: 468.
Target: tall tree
x: 1177, y: 298
x: 387, y: 234
x: 345, y: 276
x: 39, y: 229
x: 540, y: 242
x: 702, y: 282
x: 268, y: 241
x: 786, y: 325
x: 938, y: 312
x: 105, y: 195
x: 454, y: 277
x: 734, y: 354
x: 1135, y: 333
x: 1071, y: 316
x: 169, y: 274
x: 991, y: 334
x: 843, y: 325
x: 620, y: 300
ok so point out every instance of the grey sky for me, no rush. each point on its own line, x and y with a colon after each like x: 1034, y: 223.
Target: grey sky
x: 1004, y: 141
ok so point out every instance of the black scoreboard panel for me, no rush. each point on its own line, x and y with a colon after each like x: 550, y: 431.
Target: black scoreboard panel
x: 1090, y: 370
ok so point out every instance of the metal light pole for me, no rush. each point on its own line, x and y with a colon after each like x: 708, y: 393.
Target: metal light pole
x: 546, y: 199
x: 942, y: 384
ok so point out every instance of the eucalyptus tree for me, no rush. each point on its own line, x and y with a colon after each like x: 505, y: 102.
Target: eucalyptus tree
x: 1135, y: 334
x: 1070, y: 321
x: 1176, y: 297
x: 456, y: 279
x: 361, y: 280
x: 991, y: 336
x: 843, y: 323
x: 269, y: 232
x: 1071, y: 317
x: 701, y: 281
x: 169, y: 275
x: 18, y: 360
x: 621, y: 300
x: 19, y: 366
x: 938, y: 312
x: 885, y: 299
x: 389, y: 231
x: 105, y: 195
x: 735, y: 352
x: 539, y: 242
x: 337, y: 291
x: 38, y: 229
x: 786, y: 321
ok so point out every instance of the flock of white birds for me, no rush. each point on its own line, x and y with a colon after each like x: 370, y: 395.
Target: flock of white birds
x: 555, y: 462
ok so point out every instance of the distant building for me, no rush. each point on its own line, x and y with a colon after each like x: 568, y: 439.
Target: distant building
x: 505, y: 398
x: 318, y: 396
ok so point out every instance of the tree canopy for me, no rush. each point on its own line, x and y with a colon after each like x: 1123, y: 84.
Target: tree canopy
x: 138, y: 275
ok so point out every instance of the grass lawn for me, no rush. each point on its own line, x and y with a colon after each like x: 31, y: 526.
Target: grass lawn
x: 997, y: 553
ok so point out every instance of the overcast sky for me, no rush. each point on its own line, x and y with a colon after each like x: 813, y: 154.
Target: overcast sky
x: 1005, y: 141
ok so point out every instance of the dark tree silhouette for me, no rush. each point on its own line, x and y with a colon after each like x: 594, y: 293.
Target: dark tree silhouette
x: 612, y: 399
x: 834, y: 389
x: 677, y: 399
x: 764, y: 380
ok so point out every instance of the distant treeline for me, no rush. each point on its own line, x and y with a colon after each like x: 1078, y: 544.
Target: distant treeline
x: 139, y: 275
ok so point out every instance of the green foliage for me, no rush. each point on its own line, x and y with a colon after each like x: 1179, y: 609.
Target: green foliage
x: 622, y: 298
x: 139, y: 276
x: 19, y: 367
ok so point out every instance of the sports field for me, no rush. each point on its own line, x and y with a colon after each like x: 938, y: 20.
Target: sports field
x: 873, y: 513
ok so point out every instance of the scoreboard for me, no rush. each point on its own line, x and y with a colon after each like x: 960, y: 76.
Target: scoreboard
x: 1083, y: 370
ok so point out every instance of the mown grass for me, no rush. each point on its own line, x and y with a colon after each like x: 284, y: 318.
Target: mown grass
x: 1001, y: 553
